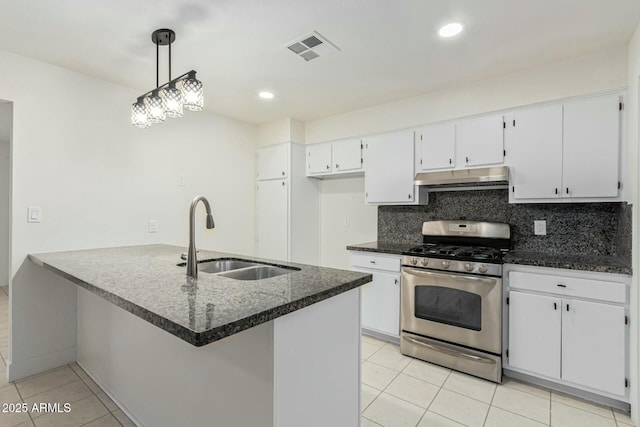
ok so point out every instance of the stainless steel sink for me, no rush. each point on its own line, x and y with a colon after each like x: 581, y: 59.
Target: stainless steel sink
x: 240, y: 269
x: 257, y: 273
x: 218, y: 266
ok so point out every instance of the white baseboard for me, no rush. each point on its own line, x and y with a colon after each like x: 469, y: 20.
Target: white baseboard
x: 18, y: 369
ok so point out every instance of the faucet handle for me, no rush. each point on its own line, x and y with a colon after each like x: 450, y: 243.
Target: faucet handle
x: 184, y: 255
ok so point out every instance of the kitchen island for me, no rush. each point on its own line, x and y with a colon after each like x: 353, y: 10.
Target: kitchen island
x: 172, y: 350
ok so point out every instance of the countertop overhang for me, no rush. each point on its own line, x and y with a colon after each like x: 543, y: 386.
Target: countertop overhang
x: 147, y: 282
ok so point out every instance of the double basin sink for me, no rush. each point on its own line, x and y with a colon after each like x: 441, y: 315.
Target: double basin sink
x: 241, y: 269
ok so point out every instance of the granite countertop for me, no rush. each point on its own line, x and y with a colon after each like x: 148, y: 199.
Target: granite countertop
x: 383, y: 247
x: 146, y: 281
x: 604, y: 264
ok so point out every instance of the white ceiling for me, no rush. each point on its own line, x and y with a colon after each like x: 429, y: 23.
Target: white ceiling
x: 389, y: 48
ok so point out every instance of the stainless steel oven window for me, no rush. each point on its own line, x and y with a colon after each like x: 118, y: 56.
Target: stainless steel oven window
x: 449, y: 306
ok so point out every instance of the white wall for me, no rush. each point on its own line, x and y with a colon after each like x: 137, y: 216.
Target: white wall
x: 98, y: 181
x: 341, y: 198
x: 597, y: 72
x: 5, y: 175
x: 632, y: 142
x: 600, y: 71
x: 284, y: 130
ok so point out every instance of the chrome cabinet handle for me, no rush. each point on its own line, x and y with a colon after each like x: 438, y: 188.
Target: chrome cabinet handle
x: 337, y: 166
x: 372, y: 262
x: 560, y: 285
x: 282, y: 173
x: 467, y: 159
x: 395, y: 281
x: 567, y: 190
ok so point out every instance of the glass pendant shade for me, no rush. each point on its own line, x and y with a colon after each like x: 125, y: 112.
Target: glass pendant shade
x: 193, y: 93
x: 139, y: 115
x: 155, y: 106
x: 173, y: 101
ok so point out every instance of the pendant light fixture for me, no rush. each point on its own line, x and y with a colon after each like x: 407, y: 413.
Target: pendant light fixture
x: 169, y: 99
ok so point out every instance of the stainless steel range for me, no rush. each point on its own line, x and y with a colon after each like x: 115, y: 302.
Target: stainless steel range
x: 451, y: 298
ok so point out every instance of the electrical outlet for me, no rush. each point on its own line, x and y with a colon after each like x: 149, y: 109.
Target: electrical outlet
x: 346, y: 221
x: 540, y: 227
x: 153, y: 226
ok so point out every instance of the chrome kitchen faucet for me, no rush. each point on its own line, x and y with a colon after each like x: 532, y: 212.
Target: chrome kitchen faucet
x: 192, y: 262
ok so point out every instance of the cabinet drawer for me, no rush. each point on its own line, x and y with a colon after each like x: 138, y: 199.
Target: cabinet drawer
x: 569, y: 286
x: 386, y: 263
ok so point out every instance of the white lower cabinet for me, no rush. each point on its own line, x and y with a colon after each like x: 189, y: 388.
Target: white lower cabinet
x: 557, y: 330
x: 381, y: 297
x: 534, y: 333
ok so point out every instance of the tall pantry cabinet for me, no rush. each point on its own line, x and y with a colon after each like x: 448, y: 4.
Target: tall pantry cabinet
x: 287, y: 206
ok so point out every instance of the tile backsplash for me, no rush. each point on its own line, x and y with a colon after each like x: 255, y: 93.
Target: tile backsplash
x: 572, y: 228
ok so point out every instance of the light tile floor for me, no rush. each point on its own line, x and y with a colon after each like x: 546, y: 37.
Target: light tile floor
x: 399, y: 391
x: 90, y: 406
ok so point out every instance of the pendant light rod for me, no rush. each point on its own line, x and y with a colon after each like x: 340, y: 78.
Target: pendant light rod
x: 190, y: 74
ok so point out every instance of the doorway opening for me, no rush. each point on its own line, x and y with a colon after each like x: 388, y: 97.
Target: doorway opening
x: 6, y: 124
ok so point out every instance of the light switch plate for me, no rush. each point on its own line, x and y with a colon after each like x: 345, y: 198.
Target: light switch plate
x: 153, y: 226
x: 540, y: 227
x: 34, y: 214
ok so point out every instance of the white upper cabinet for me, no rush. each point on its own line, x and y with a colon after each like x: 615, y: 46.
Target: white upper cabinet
x: 347, y: 155
x: 334, y: 158
x: 273, y: 162
x: 318, y: 159
x: 590, y: 147
x: 480, y: 141
x: 533, y: 140
x: 566, y: 151
x: 435, y: 147
x: 389, y: 169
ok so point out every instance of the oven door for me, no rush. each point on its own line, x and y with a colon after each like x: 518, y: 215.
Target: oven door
x: 453, y: 307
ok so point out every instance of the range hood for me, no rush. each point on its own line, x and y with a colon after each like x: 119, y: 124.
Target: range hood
x: 465, y: 179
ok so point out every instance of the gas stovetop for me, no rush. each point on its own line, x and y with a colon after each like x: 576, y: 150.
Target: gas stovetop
x: 458, y: 252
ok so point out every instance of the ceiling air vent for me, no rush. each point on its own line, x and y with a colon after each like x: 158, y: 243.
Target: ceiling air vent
x: 311, y: 46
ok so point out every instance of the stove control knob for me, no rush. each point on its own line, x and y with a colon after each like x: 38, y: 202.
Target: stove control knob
x: 482, y: 268
x: 414, y: 261
x: 445, y: 264
x: 424, y: 262
x: 468, y: 266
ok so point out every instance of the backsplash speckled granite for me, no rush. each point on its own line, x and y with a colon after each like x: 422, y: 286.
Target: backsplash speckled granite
x: 575, y: 228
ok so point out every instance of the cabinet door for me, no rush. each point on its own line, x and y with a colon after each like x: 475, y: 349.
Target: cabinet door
x: 534, y: 333
x: 590, y: 147
x: 534, y: 146
x: 273, y: 162
x: 437, y: 145
x: 381, y: 303
x: 347, y: 155
x: 389, y: 165
x: 480, y: 141
x: 593, y: 345
x: 272, y: 210
x: 318, y: 159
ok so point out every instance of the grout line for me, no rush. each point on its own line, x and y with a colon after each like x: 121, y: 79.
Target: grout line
x: 486, y: 417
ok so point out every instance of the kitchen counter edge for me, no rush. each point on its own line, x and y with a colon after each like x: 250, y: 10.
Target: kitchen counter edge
x: 600, y: 264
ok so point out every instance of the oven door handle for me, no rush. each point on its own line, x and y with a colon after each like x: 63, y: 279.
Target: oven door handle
x: 490, y: 280
x: 451, y: 352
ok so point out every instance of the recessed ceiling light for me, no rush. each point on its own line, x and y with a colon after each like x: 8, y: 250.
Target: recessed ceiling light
x: 265, y: 95
x: 450, y: 30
